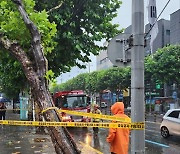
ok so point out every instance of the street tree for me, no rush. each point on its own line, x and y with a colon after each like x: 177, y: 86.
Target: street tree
x: 165, y: 65
x: 91, y: 80
x: 80, y: 24
x: 113, y: 79
x: 24, y: 42
x: 149, y: 78
x: 28, y: 36
x: 79, y: 82
x: 116, y: 79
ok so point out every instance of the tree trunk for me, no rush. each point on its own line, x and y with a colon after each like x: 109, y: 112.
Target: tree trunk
x: 61, y: 138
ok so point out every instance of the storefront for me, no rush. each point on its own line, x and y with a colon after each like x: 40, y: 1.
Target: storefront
x: 162, y: 104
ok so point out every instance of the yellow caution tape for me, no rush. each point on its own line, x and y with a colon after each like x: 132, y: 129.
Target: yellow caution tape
x: 50, y: 108
x: 74, y: 124
x: 97, y: 116
x: 92, y: 115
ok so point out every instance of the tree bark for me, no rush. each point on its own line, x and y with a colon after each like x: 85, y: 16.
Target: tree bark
x: 63, y: 142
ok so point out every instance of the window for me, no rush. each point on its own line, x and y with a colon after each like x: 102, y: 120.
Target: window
x: 174, y: 114
x: 167, y: 32
x: 77, y: 101
x: 153, y: 12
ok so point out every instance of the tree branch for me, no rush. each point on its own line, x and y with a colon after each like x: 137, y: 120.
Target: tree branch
x: 55, y: 8
x: 21, y: 56
x: 61, y: 138
x: 41, y: 62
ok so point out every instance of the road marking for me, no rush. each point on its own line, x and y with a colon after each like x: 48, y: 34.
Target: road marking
x: 159, y: 144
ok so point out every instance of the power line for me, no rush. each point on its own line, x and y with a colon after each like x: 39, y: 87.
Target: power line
x: 157, y: 19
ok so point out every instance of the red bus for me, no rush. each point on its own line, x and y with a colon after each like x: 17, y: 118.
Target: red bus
x: 72, y: 100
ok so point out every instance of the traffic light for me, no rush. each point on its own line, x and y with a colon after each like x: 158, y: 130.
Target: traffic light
x: 158, y: 86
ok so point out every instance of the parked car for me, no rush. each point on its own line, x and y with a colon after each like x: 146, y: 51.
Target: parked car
x: 103, y: 104
x: 171, y: 123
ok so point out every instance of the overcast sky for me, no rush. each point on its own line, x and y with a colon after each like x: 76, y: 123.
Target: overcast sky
x: 124, y: 13
x: 124, y: 20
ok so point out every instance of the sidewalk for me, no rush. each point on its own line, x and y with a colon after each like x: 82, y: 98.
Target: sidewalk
x: 23, y: 139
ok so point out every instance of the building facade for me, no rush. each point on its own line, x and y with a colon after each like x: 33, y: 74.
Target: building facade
x: 175, y: 27
x: 102, y: 60
x: 162, y: 39
x: 168, y: 33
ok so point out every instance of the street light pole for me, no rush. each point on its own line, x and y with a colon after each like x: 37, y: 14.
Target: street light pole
x: 89, y: 71
x: 137, y: 76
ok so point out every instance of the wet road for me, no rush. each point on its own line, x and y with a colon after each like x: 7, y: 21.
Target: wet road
x: 23, y: 139
x: 157, y: 144
x: 154, y: 143
x: 14, y: 139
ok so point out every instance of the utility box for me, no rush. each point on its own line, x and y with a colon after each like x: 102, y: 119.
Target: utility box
x: 24, y: 108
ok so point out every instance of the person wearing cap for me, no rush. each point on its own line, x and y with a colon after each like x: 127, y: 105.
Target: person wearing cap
x: 2, y: 111
x: 95, y: 110
x: 118, y: 137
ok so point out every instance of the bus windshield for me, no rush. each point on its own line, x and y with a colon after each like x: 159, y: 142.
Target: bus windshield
x: 72, y: 101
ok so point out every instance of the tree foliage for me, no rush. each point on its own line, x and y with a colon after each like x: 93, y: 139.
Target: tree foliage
x: 167, y: 64
x: 112, y: 79
x: 162, y: 67
x: 80, y: 24
x: 12, y: 77
x: 10, y: 16
x: 34, y: 64
x: 10, y: 70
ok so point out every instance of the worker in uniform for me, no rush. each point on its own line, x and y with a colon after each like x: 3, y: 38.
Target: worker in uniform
x: 95, y: 110
x: 118, y: 137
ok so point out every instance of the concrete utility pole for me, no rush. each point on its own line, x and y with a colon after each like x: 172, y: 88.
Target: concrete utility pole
x: 137, y: 76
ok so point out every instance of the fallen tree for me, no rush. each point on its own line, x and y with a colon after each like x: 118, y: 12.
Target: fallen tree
x: 35, y: 69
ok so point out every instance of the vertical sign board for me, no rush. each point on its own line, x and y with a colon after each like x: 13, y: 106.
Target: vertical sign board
x: 24, y: 108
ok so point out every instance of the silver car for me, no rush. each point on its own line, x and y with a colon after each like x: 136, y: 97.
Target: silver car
x: 171, y: 123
